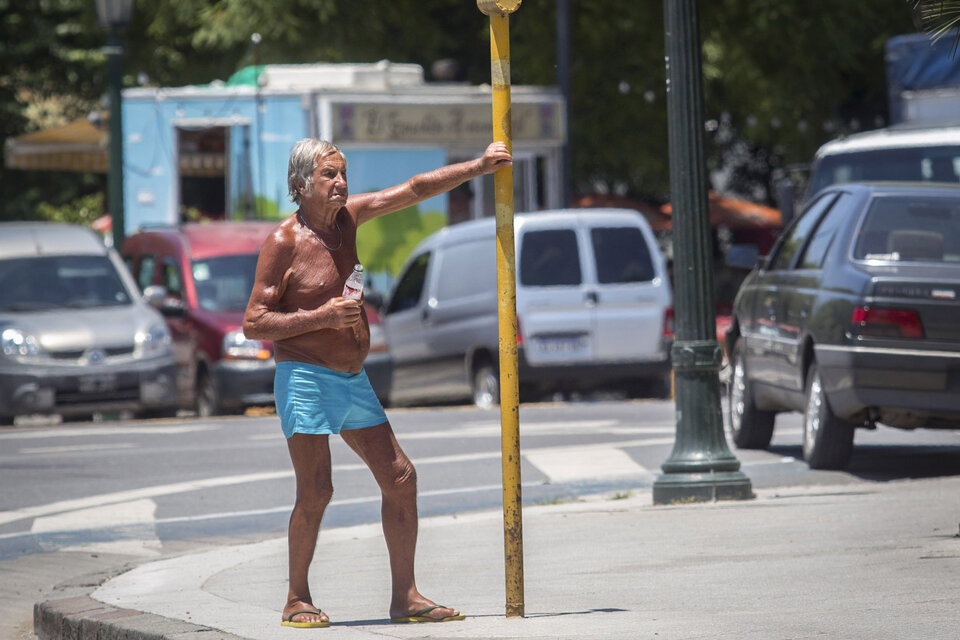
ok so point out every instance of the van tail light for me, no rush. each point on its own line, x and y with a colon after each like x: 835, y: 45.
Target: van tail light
x: 519, y: 335
x: 668, y: 322
x: 886, y: 323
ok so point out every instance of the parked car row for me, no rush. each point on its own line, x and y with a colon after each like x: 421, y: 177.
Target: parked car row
x: 161, y: 331
x: 851, y: 320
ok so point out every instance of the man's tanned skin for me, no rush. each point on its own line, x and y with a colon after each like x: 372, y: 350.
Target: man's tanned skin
x: 296, y: 303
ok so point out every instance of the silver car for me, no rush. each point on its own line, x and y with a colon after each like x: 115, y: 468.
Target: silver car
x: 75, y: 335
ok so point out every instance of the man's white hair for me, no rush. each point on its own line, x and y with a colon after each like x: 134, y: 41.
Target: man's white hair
x: 304, y: 158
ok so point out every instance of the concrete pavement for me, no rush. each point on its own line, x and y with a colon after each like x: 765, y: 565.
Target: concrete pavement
x: 855, y: 562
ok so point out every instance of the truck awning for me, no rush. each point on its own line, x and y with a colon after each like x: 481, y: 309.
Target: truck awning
x: 78, y: 146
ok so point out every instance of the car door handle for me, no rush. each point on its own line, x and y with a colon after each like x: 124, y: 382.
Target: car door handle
x: 425, y: 315
x: 592, y: 297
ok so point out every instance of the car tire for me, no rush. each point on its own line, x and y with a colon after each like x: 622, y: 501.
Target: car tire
x: 486, y: 387
x: 750, y: 427
x: 208, y: 401
x: 827, y: 439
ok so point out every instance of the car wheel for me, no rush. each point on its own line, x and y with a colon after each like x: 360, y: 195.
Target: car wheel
x: 486, y: 387
x: 827, y: 439
x: 208, y: 397
x: 750, y: 428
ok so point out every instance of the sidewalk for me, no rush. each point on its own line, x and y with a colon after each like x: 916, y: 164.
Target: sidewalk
x: 855, y: 562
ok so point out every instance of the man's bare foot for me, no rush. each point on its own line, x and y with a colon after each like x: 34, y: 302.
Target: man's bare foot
x: 298, y: 613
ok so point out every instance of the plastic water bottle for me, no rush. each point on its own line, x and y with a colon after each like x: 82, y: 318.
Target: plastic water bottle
x: 354, y: 286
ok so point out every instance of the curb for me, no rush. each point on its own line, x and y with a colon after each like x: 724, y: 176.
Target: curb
x: 80, y: 617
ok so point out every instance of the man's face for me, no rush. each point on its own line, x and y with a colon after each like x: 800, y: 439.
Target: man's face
x: 329, y: 182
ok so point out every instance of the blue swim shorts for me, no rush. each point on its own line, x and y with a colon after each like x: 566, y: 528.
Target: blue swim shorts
x: 317, y: 400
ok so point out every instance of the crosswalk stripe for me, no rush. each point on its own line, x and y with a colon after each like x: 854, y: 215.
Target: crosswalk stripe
x: 571, y: 464
x: 137, y: 516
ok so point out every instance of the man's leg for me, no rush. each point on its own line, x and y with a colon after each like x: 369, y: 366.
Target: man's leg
x: 395, y: 475
x: 310, y: 455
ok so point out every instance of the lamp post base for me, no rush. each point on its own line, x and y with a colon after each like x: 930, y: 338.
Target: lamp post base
x: 681, y: 488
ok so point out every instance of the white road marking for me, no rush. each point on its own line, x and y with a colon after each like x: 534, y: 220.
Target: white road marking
x: 137, y: 514
x: 572, y: 464
x: 492, y: 429
x: 78, y: 447
x: 207, y: 483
x: 71, y: 432
x: 136, y: 494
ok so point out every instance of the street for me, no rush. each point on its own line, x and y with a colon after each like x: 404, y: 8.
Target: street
x: 84, y: 497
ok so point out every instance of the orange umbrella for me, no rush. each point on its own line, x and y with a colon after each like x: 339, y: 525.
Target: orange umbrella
x: 737, y: 214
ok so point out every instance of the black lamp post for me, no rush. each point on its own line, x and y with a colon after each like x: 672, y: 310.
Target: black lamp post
x: 701, y: 466
x: 114, y: 15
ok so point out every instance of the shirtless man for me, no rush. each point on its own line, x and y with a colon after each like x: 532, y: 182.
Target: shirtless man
x: 320, y: 341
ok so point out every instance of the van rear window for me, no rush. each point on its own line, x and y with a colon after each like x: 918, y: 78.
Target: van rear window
x: 549, y: 258
x: 622, y: 255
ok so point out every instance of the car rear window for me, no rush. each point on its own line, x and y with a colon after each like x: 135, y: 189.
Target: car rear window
x: 549, y: 258
x: 57, y: 282
x: 910, y: 229
x: 224, y: 283
x: 622, y: 255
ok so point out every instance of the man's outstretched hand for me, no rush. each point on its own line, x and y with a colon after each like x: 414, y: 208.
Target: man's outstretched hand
x: 496, y: 157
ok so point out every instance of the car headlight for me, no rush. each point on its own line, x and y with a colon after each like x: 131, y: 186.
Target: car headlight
x: 18, y: 344
x: 237, y: 346
x: 154, y: 341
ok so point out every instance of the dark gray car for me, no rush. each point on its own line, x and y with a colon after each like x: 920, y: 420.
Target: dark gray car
x: 852, y: 319
x: 75, y: 335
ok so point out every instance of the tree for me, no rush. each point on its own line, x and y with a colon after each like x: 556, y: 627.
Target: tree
x: 767, y: 107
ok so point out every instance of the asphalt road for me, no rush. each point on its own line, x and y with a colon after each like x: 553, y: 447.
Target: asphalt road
x: 84, y: 497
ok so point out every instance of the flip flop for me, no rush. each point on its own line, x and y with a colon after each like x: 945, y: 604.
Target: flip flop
x: 288, y: 621
x: 420, y: 617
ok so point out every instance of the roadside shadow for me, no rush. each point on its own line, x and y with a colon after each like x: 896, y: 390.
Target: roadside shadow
x: 888, y: 462
x: 380, y: 622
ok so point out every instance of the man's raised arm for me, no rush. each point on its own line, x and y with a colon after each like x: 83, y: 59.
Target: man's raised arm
x: 423, y: 186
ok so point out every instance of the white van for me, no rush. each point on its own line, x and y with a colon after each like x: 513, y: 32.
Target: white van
x: 916, y: 152
x: 593, y: 308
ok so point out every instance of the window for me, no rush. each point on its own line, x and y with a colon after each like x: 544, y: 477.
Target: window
x: 472, y: 270
x: 622, y: 255
x: 910, y: 229
x: 797, y: 234
x: 816, y: 250
x: 148, y: 263
x: 549, y: 258
x: 171, y: 279
x: 928, y: 164
x: 224, y: 283
x: 410, y: 288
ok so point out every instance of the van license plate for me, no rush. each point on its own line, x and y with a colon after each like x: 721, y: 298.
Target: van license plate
x: 562, y: 345
x: 97, y: 383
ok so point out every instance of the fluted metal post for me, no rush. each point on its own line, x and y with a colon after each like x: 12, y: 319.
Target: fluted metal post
x: 701, y: 466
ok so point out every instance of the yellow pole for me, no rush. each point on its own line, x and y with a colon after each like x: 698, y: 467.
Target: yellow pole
x: 498, y: 11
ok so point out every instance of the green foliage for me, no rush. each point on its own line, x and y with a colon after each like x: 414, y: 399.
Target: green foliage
x: 83, y: 210
x: 385, y: 243
x: 781, y: 77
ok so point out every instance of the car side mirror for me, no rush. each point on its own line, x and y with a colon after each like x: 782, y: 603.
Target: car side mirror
x: 156, y: 296
x: 744, y: 256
